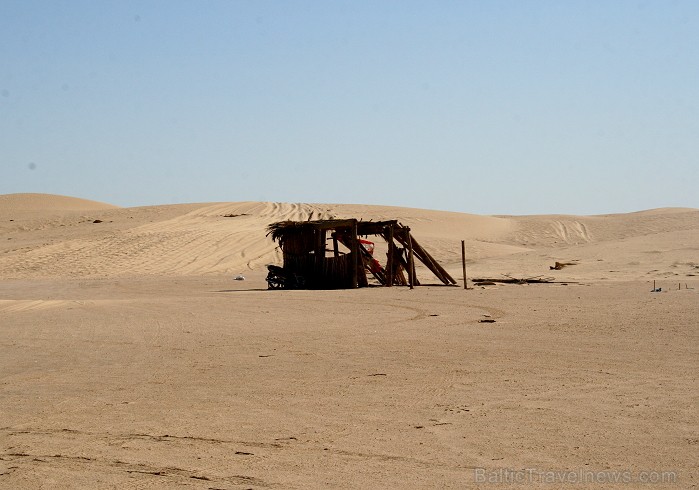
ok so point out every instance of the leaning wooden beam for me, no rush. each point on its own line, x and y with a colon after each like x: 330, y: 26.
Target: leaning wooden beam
x: 427, y: 258
x: 367, y: 260
x: 424, y: 257
x: 430, y: 265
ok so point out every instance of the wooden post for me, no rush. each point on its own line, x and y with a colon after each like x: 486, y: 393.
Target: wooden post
x: 411, y: 262
x: 320, y: 243
x: 319, y: 253
x: 336, y: 250
x: 389, y: 258
x: 463, y: 261
x: 357, y: 260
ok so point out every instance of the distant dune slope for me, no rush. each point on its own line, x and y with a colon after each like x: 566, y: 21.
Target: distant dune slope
x: 557, y: 230
x: 226, y: 238
x: 48, y: 203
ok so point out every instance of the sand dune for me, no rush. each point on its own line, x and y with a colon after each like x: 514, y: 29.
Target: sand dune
x: 209, y: 238
x: 557, y: 230
x: 130, y: 358
x: 226, y: 238
x: 47, y: 203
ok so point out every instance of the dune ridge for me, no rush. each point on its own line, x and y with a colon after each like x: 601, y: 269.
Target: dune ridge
x: 48, y: 203
x: 93, y: 239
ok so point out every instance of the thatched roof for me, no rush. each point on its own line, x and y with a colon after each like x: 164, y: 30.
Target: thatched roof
x: 282, y: 229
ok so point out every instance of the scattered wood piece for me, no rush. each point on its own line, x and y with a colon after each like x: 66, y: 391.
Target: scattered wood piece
x: 515, y: 280
x: 560, y: 265
x: 486, y: 320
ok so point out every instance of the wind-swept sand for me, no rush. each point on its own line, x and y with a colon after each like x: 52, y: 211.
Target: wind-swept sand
x: 129, y: 358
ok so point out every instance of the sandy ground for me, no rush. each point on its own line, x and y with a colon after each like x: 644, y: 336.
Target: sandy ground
x: 129, y: 358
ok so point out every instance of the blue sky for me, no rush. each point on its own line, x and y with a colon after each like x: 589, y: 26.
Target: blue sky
x: 512, y: 107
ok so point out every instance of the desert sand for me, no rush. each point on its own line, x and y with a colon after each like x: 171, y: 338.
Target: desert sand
x: 130, y: 358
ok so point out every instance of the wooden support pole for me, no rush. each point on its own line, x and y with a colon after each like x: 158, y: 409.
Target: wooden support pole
x: 463, y: 261
x: 389, y: 258
x: 336, y: 250
x: 320, y: 243
x: 356, y: 258
x: 411, y: 261
x: 319, y: 252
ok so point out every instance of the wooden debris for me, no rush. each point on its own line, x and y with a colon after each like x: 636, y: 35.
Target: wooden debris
x: 560, y: 265
x: 514, y: 280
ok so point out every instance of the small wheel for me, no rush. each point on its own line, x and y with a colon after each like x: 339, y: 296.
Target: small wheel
x: 274, y: 283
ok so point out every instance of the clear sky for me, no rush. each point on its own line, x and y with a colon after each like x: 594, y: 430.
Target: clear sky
x: 491, y: 107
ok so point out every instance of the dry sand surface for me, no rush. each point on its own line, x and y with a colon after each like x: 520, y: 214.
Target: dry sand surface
x: 130, y: 358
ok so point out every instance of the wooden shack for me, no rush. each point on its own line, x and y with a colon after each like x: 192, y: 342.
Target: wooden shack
x: 346, y: 262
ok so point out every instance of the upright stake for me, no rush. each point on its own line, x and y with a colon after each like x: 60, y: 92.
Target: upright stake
x: 389, y: 258
x: 336, y: 250
x: 463, y: 261
x: 356, y: 259
x: 411, y: 263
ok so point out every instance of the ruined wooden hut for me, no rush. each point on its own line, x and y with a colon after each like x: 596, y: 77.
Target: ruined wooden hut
x: 336, y: 254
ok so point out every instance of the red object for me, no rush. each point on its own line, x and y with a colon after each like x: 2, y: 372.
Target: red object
x: 369, y: 246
